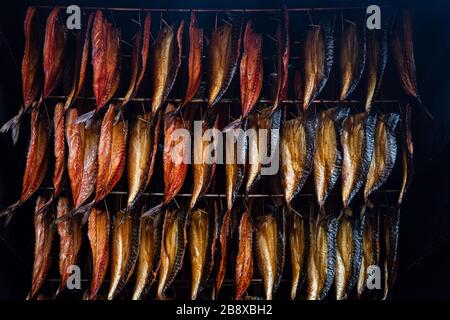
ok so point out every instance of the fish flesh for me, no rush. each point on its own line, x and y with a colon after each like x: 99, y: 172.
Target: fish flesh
x: 205, y: 158
x: 172, y: 249
x: 251, y: 69
x: 266, y: 126
x: 352, y: 57
x: 98, y: 234
x: 200, y: 247
x: 327, y: 158
x: 283, y: 51
x: 70, y: 239
x: 244, y: 259
x: 195, y: 66
x: 322, y: 256
x: 299, y: 250
x: 166, y: 62
x: 78, y: 65
x: 149, y: 254
x: 124, y: 250
x: 384, y: 154
x: 223, y: 229
x: 317, y: 54
x: 223, y: 56
x: 37, y: 160
x: 270, y: 246
x: 106, y: 62
x: 54, y: 50
x: 377, y: 53
x: 297, y: 147
x: 357, y: 141
x: 82, y: 166
x: 44, y: 231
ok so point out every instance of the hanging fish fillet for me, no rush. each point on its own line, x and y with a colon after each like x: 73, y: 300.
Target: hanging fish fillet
x: 297, y: 146
x: 283, y: 48
x: 44, y: 233
x: 352, y: 56
x: 391, y: 224
x: 195, y: 67
x: 407, y: 153
x: 317, y: 54
x: 322, y: 256
x: 70, y: 238
x: 377, y: 53
x: 54, y: 50
x: 149, y: 254
x: 172, y: 249
x: 124, y: 250
x: 223, y: 229
x: 166, y: 62
x: 244, y: 259
x: 270, y: 247
x: 98, y: 234
x: 327, y: 158
x: 205, y: 158
x: 37, y: 161
x: 384, y: 154
x: 82, y: 166
x: 223, y: 56
x: 141, y: 155
x: 78, y: 65
x: 299, y: 250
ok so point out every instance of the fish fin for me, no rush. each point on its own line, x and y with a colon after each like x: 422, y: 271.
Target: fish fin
x: 85, y: 117
x: 8, y: 213
x: 83, y: 209
x: 153, y: 211
x: 234, y: 124
x: 14, y: 125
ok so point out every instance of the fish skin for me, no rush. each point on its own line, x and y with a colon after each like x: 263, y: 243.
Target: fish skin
x: 166, y: 62
x: 327, y: 158
x: 244, y: 259
x: 59, y: 149
x: 195, y: 66
x: 223, y: 56
x: 124, y: 250
x: 98, y: 234
x: 317, y: 53
x: 297, y: 147
x: 44, y: 234
x: 299, y: 251
x: 270, y: 248
x: 70, y: 239
x: 54, y: 50
x: 407, y: 152
x: 82, y: 166
x: 352, y: 56
x: 36, y: 163
x: 144, y: 51
x: 32, y: 72
x: 172, y: 249
x: 224, y: 230
x: 251, y: 69
x: 203, y: 172
x: 112, y: 150
x: 357, y: 141
x: 149, y: 253
x: 106, y: 61
x: 377, y: 54
x: 384, y: 154
x: 391, y: 224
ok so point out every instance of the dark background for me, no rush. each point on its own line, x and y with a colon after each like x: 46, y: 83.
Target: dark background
x: 424, y: 270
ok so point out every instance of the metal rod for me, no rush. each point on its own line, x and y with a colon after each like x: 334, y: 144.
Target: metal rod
x: 203, y: 100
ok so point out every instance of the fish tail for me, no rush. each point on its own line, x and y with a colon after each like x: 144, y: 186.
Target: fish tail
x: 427, y: 111
x: 8, y: 213
x: 83, y: 209
x: 234, y: 124
x: 153, y: 211
x: 46, y: 205
x: 14, y: 125
x: 85, y: 117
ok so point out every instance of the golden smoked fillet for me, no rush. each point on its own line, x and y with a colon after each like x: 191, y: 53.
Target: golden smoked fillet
x: 244, y: 259
x: 70, y: 239
x: 54, y: 50
x: 172, y: 249
x: 149, y: 254
x: 299, y: 251
x: 223, y: 230
x: 166, y: 62
x: 98, y: 234
x: 269, y: 248
x: 327, y: 158
x: 44, y: 232
x: 344, y: 256
x: 124, y: 250
x: 297, y: 146
x: 352, y: 58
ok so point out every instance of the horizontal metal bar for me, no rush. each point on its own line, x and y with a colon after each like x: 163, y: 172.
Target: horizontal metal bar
x: 204, y: 100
